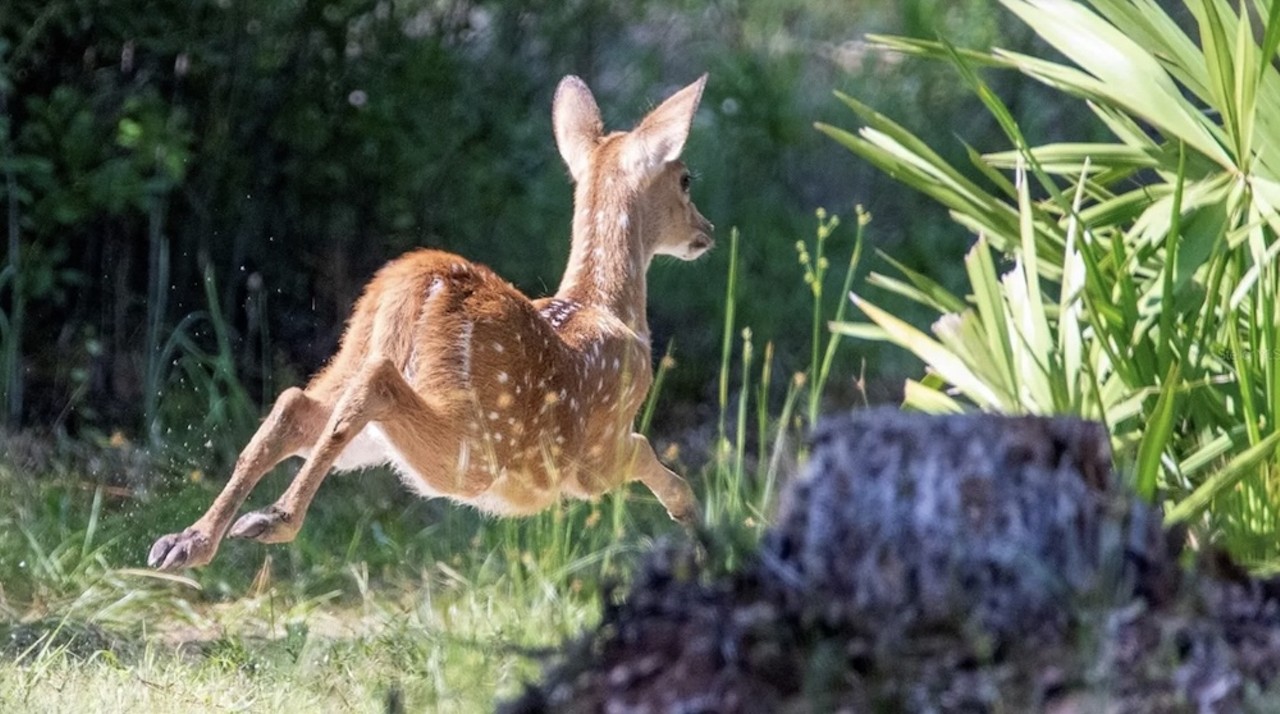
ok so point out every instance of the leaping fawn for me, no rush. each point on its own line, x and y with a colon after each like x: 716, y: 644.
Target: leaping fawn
x: 471, y: 390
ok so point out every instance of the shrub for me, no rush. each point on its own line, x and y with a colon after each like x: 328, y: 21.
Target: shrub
x: 1141, y: 287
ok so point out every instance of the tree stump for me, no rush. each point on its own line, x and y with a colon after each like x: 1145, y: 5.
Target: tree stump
x: 936, y: 564
x: 913, y: 521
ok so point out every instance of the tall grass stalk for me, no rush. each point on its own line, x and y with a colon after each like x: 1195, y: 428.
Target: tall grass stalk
x: 815, y: 264
x: 726, y: 340
x: 659, y: 377
x: 723, y: 476
x: 780, y: 448
x: 739, y: 494
x: 735, y: 485
x: 763, y: 418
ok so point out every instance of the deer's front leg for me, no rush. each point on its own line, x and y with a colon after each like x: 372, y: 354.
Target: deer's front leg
x: 293, y: 424
x: 672, y: 491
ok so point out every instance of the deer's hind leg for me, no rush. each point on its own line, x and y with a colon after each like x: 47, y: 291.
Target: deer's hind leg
x: 294, y: 424
x: 378, y: 392
x: 377, y: 395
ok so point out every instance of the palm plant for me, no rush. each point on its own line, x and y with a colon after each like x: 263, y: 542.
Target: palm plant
x: 1142, y: 288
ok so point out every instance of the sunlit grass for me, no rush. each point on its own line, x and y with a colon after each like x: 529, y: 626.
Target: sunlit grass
x: 441, y: 644
x: 293, y: 627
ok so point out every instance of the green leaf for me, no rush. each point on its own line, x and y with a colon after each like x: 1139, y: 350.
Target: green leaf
x: 1123, y: 208
x: 932, y: 49
x: 982, y: 165
x: 1214, y: 450
x: 966, y: 337
x: 1148, y: 24
x: 1071, y: 302
x: 1218, y: 60
x: 1156, y: 436
x: 929, y: 400
x: 991, y: 310
x: 1120, y: 70
x: 943, y: 361
x: 859, y: 331
x: 933, y: 293
x: 1270, y: 39
x: 1067, y: 158
x: 1200, y: 236
x: 1243, y: 465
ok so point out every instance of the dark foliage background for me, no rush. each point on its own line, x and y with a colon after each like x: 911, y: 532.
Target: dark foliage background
x: 195, y: 192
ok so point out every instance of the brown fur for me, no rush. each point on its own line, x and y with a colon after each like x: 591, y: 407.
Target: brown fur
x: 472, y: 390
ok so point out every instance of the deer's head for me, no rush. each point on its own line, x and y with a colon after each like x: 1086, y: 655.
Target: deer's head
x: 634, y: 179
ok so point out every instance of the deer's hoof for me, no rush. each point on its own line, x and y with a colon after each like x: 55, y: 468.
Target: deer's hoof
x: 269, y: 525
x: 188, y: 549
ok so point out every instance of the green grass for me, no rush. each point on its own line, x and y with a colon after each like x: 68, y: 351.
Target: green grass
x: 381, y: 590
x: 444, y: 645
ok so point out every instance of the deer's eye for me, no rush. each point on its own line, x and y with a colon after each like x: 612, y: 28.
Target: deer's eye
x: 685, y: 181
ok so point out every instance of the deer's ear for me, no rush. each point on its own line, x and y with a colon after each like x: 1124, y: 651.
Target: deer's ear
x: 660, y: 137
x: 576, y: 120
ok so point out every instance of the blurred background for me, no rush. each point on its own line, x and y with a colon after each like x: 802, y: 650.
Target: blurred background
x: 194, y: 193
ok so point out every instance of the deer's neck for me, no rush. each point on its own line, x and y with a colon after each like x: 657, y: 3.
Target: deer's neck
x: 607, y: 261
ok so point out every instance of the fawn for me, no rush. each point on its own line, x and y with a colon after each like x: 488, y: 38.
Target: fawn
x: 471, y: 390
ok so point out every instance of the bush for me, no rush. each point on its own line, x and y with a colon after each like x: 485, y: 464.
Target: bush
x: 1142, y: 289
